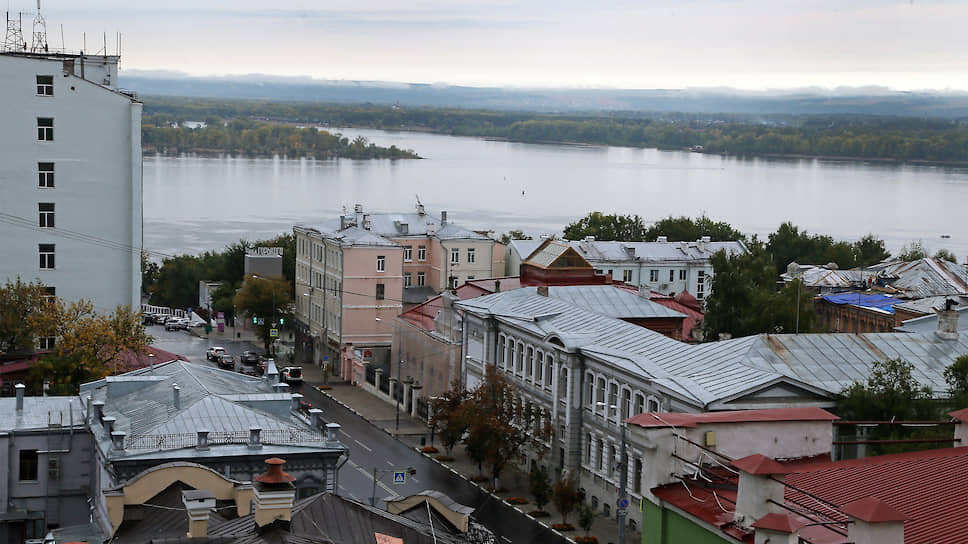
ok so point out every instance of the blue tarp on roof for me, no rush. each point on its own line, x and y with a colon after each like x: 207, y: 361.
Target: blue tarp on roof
x: 879, y: 302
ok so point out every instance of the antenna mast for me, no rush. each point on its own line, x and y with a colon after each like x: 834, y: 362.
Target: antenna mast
x: 14, y: 38
x: 39, y: 41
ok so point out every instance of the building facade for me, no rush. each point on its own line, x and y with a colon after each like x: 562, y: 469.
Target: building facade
x: 70, y: 167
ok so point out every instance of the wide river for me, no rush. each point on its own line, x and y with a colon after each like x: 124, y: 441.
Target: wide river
x: 192, y: 203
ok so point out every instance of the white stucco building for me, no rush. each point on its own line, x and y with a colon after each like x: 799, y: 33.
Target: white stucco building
x: 71, y: 177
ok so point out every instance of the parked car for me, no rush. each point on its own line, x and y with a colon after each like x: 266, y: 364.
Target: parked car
x: 226, y: 361
x: 292, y: 375
x: 250, y: 358
x: 213, y: 352
x: 173, y: 324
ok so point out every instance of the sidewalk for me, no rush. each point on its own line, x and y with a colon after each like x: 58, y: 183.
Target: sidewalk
x: 411, y: 430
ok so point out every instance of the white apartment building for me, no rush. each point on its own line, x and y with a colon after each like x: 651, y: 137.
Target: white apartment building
x: 70, y: 177
x: 661, y: 266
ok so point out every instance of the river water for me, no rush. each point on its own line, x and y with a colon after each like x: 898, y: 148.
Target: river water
x: 192, y: 203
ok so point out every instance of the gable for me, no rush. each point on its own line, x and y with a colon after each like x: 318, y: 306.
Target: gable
x: 781, y: 394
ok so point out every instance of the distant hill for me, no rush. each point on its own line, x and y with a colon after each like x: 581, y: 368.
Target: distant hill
x: 863, y: 101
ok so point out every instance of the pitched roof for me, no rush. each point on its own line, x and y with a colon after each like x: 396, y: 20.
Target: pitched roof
x: 760, y: 464
x: 872, y: 510
x: 926, y: 277
x: 684, y: 419
x: 556, y: 254
x: 391, y: 225
x: 783, y: 523
x: 601, y: 250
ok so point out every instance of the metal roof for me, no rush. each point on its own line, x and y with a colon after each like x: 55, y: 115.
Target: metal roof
x: 392, y: 225
x: 683, y: 419
x: 927, y: 277
x: 927, y: 324
x: 607, y: 300
x: 720, y: 370
x: 39, y: 413
x: 614, y: 251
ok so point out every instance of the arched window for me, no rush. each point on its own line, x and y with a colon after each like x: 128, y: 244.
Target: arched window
x: 550, y: 359
x: 600, y: 397
x: 654, y: 405
x: 539, y: 368
x: 519, y: 359
x: 563, y: 383
x: 529, y: 363
x: 639, y: 403
x: 501, y: 346
x: 626, y: 403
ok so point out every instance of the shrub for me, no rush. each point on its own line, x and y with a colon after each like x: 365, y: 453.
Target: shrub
x: 517, y: 500
x: 586, y: 539
x: 562, y: 526
x: 324, y: 387
x: 479, y: 478
x: 429, y: 449
x: 444, y: 458
x: 538, y: 514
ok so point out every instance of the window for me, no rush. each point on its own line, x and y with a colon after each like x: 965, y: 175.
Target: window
x: 653, y: 275
x: 421, y: 253
x: 590, y: 390
x: 601, y: 454
x: 601, y: 391
x: 519, y: 359
x: 53, y: 468
x: 46, y: 256
x: 453, y: 282
x: 28, y: 465
x: 539, y: 369
x: 454, y: 256
x: 45, y: 85
x: 501, y: 346
x: 46, y: 212
x: 637, y: 477
x: 408, y: 253
x: 626, y: 404
x: 682, y: 275
x: 612, y: 400
x: 700, y: 284
x: 45, y: 129
x: 529, y: 363
x: 627, y: 276
x: 672, y: 275
x: 653, y: 405
x: 588, y: 448
x: 381, y: 263
x: 421, y: 279
x: 380, y: 291
x: 407, y: 279
x: 45, y: 175
x: 46, y: 343
x: 50, y: 294
x: 471, y: 257
x: 639, y: 403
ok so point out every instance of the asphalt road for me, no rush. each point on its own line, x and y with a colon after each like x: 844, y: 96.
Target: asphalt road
x: 372, y: 448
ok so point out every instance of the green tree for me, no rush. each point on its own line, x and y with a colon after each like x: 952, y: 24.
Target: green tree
x: 149, y: 273
x: 870, y: 250
x: 586, y: 517
x: 24, y: 311
x: 266, y: 298
x: 623, y: 228
x: 223, y: 300
x: 513, y: 234
x: 913, y: 251
x: 956, y: 376
x: 539, y: 483
x: 448, y: 416
x: 789, y: 244
x: 945, y: 255
x: 564, y: 494
x: 679, y: 229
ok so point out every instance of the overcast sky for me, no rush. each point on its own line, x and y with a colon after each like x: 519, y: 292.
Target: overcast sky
x: 755, y: 44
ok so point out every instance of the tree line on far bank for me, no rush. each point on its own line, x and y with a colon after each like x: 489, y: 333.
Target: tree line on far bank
x: 844, y: 136
x: 163, y: 134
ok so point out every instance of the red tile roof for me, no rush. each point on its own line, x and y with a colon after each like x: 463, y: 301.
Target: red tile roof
x: 760, y: 464
x: 872, y: 510
x: 784, y: 523
x: 960, y: 415
x: 678, y: 419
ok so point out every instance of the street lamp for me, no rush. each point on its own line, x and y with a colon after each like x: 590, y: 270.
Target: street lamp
x: 622, y: 502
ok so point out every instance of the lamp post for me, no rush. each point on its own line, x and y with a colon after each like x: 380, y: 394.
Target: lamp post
x: 622, y: 510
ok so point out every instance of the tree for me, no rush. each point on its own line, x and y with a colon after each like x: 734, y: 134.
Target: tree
x: 870, y: 250
x: 945, y: 255
x: 586, y: 517
x: 913, y: 251
x: 266, y: 298
x: 89, y: 346
x: 564, y: 494
x: 679, y: 229
x: 623, y: 228
x: 24, y: 310
x: 956, y: 376
x: 448, y: 416
x: 789, y: 244
x: 149, y: 273
x: 540, y: 484
x: 223, y: 300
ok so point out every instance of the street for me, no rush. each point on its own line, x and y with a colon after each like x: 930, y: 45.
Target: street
x: 372, y: 448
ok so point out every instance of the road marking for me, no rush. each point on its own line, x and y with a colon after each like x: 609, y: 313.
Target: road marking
x: 362, y: 445
x: 416, y: 481
x: 506, y: 539
x: 346, y: 433
x: 390, y: 463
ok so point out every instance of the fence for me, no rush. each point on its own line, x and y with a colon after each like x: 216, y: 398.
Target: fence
x: 190, y: 440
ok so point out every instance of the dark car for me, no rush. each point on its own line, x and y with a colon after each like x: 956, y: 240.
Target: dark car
x: 226, y: 361
x: 250, y: 358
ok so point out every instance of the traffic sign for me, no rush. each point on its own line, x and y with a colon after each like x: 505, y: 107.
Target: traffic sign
x: 274, y: 333
x: 622, y: 503
x: 399, y: 477
x: 262, y: 321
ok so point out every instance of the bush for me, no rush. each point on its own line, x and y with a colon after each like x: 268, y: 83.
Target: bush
x: 586, y: 539
x: 429, y: 449
x: 444, y: 458
x: 324, y: 387
x: 517, y: 500
x: 538, y: 514
x: 479, y: 478
x: 562, y: 526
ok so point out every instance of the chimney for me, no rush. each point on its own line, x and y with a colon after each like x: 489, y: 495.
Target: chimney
x: 873, y: 521
x: 198, y: 503
x: 443, y: 218
x: 314, y: 414
x: 272, y: 373
x: 706, y: 239
x: 645, y: 291
x: 274, y: 495
x: 89, y: 407
x: 662, y: 239
x: 117, y: 440
x: 98, y: 410
x: 404, y: 228
x: 108, y: 423
x: 332, y: 432
x: 255, y: 438
x: 760, y: 481
x: 202, y: 442
x: 296, y: 399
x: 947, y: 324
x: 281, y: 387
x: 589, y: 239
x: 777, y: 529
x: 366, y: 221
x: 20, y: 397
x: 543, y: 290
x: 497, y: 286
x: 176, y: 396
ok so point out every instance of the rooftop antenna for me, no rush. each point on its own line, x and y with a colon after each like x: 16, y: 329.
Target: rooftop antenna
x: 14, y: 38
x: 39, y: 41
